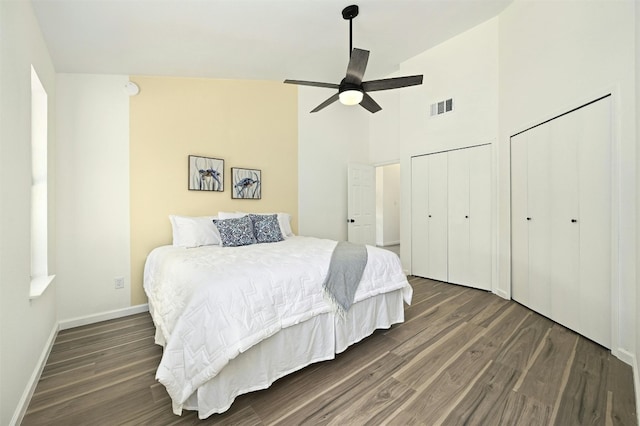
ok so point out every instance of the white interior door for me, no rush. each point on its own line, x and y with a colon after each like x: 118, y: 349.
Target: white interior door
x: 361, y: 205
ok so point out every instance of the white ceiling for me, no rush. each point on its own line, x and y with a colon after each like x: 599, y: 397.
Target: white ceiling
x: 247, y: 39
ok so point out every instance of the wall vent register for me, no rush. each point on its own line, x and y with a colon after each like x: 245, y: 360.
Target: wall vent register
x: 441, y: 107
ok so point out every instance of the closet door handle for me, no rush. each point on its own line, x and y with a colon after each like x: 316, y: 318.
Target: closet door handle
x: 429, y: 215
x: 528, y: 218
x: 574, y: 220
x: 466, y: 217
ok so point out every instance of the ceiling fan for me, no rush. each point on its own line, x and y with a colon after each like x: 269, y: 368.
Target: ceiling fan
x: 352, y: 90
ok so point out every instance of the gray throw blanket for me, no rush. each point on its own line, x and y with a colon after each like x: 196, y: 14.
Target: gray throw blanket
x: 345, y: 271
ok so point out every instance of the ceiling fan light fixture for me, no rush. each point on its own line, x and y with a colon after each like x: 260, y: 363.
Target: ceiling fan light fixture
x: 352, y: 90
x: 351, y: 97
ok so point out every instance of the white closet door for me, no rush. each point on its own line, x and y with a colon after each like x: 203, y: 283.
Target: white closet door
x: 519, y: 222
x: 419, y: 216
x: 564, y: 224
x: 539, y: 208
x: 594, y: 159
x: 561, y: 181
x: 437, y: 216
x: 480, y: 217
x: 458, y: 193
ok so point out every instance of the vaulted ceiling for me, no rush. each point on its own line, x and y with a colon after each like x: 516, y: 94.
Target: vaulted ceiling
x: 247, y: 39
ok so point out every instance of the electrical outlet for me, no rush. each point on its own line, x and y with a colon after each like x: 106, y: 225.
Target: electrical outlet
x: 119, y: 282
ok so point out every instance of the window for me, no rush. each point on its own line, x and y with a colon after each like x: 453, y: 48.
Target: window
x: 40, y: 278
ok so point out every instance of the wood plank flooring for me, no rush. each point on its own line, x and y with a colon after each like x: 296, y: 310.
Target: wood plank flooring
x: 462, y: 356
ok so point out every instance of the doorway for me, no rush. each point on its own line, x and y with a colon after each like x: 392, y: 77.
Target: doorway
x: 388, y: 207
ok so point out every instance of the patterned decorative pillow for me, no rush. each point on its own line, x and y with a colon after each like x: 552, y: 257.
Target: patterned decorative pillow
x: 235, y: 232
x: 266, y: 228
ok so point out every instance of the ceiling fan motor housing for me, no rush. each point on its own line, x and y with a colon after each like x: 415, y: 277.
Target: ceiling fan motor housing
x: 350, y: 12
x: 344, y: 86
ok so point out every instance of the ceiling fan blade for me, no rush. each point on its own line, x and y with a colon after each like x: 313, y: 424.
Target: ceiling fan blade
x: 313, y: 83
x: 391, y: 83
x: 369, y: 104
x: 357, y: 66
x: 326, y: 103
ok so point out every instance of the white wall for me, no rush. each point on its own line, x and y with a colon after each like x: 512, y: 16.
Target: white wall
x: 26, y: 327
x: 92, y: 194
x: 327, y: 141
x: 464, y: 68
x: 555, y: 56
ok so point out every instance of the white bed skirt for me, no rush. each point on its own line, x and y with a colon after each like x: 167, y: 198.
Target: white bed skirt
x: 292, y: 348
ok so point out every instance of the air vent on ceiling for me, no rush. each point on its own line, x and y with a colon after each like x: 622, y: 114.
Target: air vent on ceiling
x: 441, y: 107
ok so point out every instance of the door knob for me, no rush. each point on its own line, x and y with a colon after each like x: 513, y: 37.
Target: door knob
x: 466, y: 217
x: 528, y: 218
x: 429, y: 215
x: 574, y: 220
x: 350, y: 220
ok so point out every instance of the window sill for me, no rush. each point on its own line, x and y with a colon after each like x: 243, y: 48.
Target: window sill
x: 39, y: 285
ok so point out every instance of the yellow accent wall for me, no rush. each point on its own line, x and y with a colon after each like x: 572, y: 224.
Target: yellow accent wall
x: 248, y: 124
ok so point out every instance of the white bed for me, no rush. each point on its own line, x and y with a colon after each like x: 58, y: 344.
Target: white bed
x: 235, y: 319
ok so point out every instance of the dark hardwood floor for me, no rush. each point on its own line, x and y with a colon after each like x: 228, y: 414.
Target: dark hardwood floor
x: 462, y: 356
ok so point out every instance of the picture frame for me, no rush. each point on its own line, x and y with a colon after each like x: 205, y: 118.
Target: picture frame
x: 205, y: 174
x: 246, y: 183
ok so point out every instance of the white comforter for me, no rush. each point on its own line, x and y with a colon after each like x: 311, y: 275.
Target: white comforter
x: 211, y: 303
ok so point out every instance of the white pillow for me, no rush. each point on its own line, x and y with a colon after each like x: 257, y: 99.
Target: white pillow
x: 230, y: 215
x: 284, y: 220
x: 194, y: 231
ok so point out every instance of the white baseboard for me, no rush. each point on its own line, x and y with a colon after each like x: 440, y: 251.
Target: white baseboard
x: 625, y: 356
x: 104, y: 316
x: 23, y: 404
x: 501, y: 293
x: 42, y: 361
x: 636, y: 381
